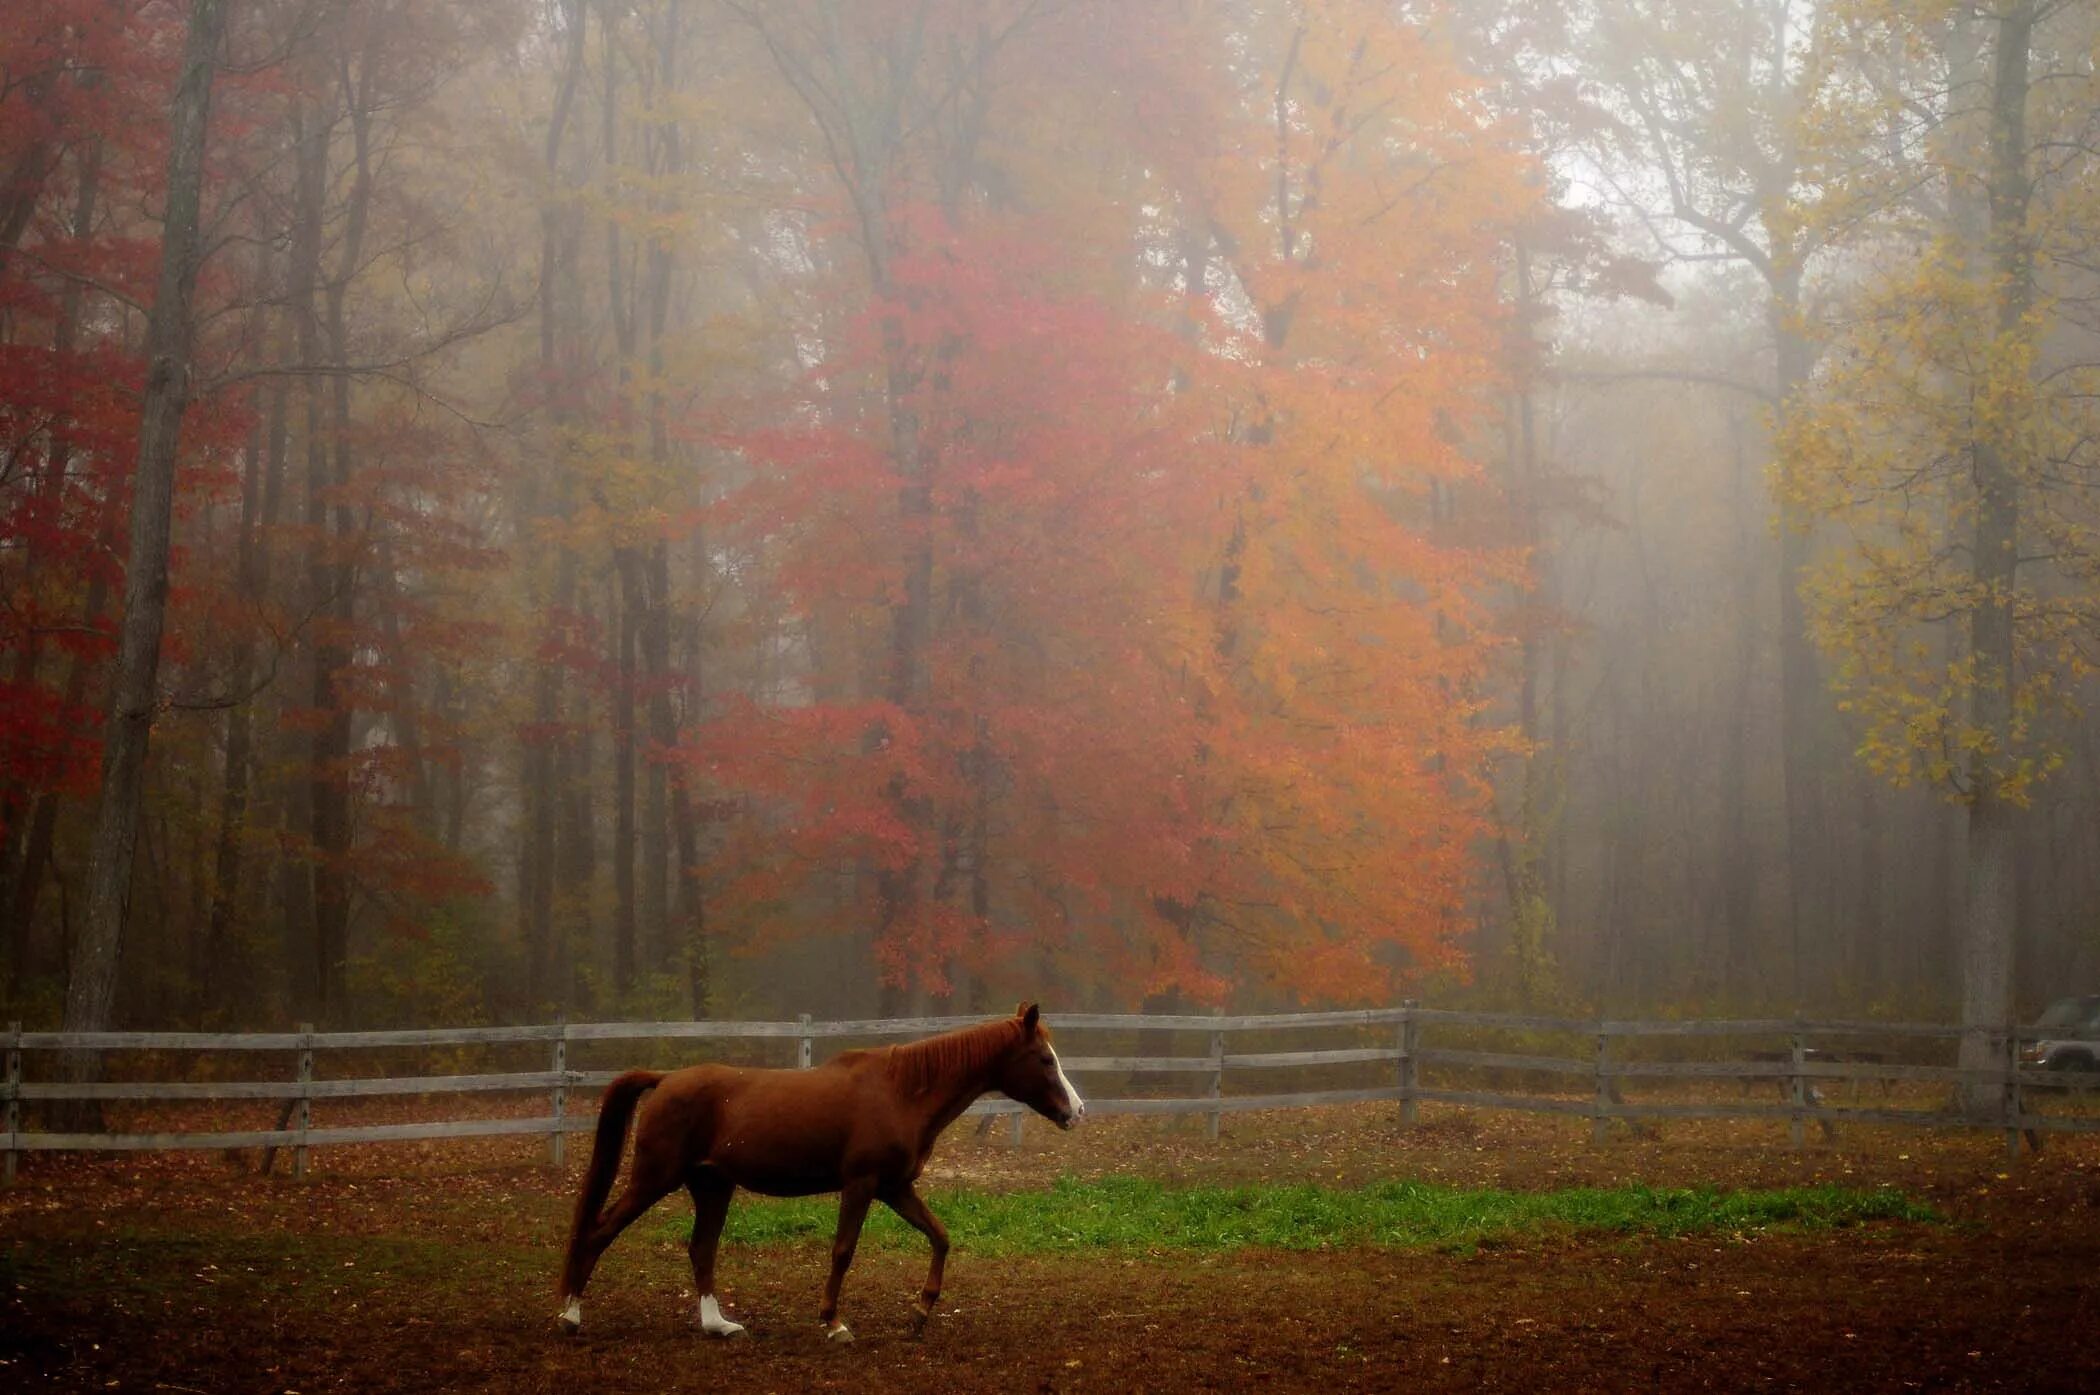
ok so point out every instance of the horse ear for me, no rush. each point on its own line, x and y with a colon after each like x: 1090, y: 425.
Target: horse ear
x: 1029, y: 1016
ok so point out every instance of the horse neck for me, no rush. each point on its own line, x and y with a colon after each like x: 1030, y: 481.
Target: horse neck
x: 947, y: 1073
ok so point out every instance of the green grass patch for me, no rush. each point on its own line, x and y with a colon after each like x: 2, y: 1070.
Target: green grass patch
x: 1136, y: 1214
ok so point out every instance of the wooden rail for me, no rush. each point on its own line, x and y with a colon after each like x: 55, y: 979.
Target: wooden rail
x: 1586, y: 1082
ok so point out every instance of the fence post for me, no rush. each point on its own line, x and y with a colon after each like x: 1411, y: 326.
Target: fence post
x: 1217, y: 1075
x: 2011, y: 1095
x: 14, y: 1095
x: 1797, y: 1094
x: 556, y: 1152
x: 1600, y: 1109
x: 306, y: 1098
x: 806, y: 1048
x: 1410, y: 1068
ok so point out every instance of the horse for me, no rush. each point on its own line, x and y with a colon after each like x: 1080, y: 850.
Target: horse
x: 862, y: 1125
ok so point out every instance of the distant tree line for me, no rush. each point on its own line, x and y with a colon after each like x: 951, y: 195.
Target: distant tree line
x: 683, y: 506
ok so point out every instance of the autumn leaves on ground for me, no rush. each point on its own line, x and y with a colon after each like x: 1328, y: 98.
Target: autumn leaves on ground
x: 1918, y: 1261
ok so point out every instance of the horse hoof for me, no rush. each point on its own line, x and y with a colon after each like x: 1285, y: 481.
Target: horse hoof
x: 839, y: 1333
x: 570, y: 1319
x: 713, y: 1323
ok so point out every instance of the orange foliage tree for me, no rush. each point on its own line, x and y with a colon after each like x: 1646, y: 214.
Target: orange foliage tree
x: 1167, y: 463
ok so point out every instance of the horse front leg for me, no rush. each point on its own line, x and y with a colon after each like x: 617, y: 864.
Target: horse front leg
x: 907, y: 1203
x: 853, y: 1210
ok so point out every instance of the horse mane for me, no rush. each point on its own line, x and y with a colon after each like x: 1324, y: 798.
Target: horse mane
x: 920, y: 1065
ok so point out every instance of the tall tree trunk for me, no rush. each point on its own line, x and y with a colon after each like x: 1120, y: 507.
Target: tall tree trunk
x: 1994, y: 819
x: 1803, y: 707
x: 30, y: 830
x: 329, y: 773
x: 315, y: 806
x: 128, y: 722
x: 638, y: 919
x: 625, y: 607
x: 568, y: 802
x: 1738, y: 878
x: 673, y: 916
x: 576, y: 840
x: 1533, y: 928
x: 225, y: 858
x: 310, y: 129
x: 539, y: 793
x: 685, y: 908
x: 41, y: 829
x: 260, y: 499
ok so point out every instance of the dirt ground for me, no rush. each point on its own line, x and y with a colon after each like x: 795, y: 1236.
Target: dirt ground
x: 429, y: 1268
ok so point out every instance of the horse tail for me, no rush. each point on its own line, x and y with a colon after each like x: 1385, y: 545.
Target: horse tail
x: 614, y: 1110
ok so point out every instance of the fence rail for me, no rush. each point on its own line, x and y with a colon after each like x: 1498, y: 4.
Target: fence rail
x: 1797, y: 1071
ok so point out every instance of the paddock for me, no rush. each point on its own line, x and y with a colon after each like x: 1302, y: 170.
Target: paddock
x: 428, y: 1265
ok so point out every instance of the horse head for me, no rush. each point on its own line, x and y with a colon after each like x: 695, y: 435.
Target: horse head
x: 1030, y: 1073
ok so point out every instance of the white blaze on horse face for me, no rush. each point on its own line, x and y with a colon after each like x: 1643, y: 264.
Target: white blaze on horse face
x: 1065, y: 1083
x: 711, y: 1320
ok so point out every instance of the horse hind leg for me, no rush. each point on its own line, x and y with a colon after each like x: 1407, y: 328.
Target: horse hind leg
x: 711, y: 1197
x: 652, y: 1176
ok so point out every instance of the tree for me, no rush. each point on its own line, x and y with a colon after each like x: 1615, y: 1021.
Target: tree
x: 1178, y: 663
x: 133, y: 696
x: 1951, y: 438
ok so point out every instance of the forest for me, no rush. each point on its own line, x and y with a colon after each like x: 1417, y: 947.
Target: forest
x: 676, y: 508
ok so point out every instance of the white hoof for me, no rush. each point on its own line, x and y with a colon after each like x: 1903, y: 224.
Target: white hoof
x: 838, y: 1332
x: 571, y: 1319
x: 713, y: 1323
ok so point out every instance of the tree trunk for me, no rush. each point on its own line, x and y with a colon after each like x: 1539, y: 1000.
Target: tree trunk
x: 1994, y: 819
x: 1533, y: 925
x: 1738, y: 877
x: 624, y: 907
x: 401, y: 687
x: 536, y: 872
x: 540, y: 794
x: 26, y: 888
x: 685, y: 908
x: 128, y: 722
x: 259, y: 507
x: 329, y: 773
x: 30, y: 831
x: 1803, y: 706
x: 574, y: 845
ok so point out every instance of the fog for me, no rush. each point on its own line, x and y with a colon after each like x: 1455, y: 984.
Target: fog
x: 696, y: 508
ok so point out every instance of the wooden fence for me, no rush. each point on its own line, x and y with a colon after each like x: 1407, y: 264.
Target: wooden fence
x: 1590, y: 1081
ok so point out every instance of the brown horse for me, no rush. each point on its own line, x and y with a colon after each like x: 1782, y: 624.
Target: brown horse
x: 861, y: 1124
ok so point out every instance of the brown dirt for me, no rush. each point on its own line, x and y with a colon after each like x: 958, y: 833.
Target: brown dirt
x: 422, y: 1270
